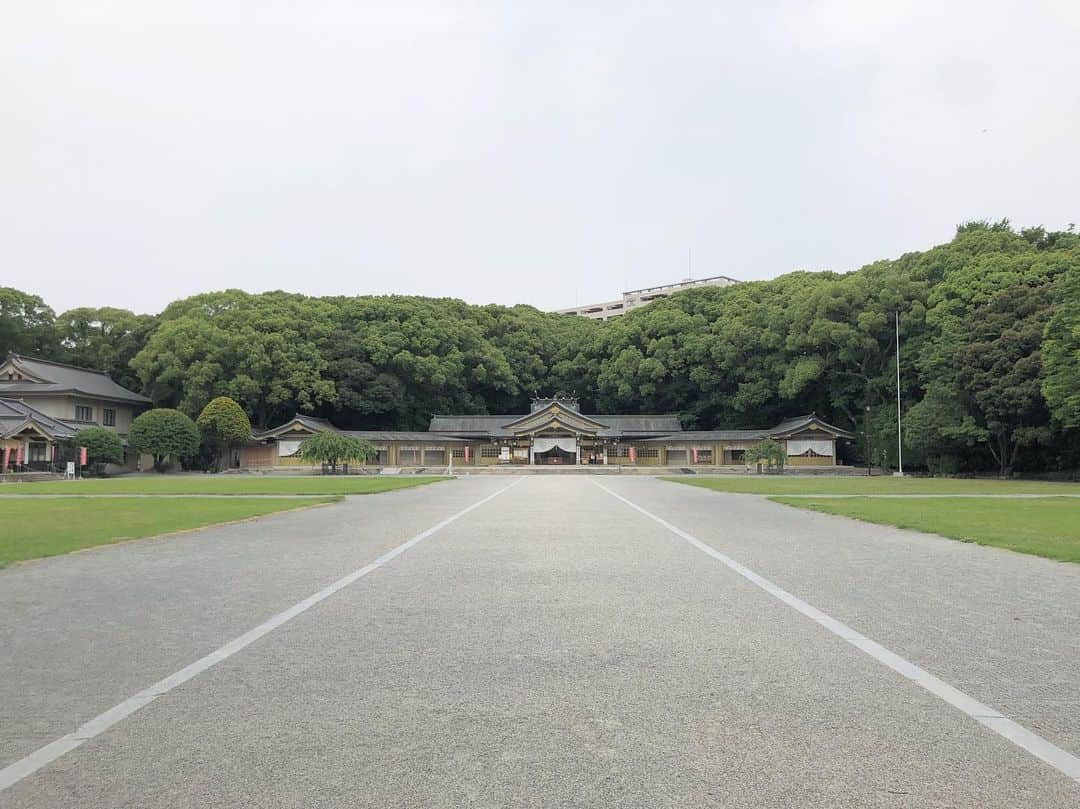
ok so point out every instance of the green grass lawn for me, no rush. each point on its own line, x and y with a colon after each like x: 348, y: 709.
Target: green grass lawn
x: 32, y: 528
x: 793, y: 484
x: 222, y: 484
x: 1047, y: 527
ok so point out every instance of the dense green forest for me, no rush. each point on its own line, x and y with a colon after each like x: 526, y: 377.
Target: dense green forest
x: 989, y: 332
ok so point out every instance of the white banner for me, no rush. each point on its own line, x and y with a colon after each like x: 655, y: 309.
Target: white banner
x: 287, y: 448
x: 545, y: 444
x: 802, y: 445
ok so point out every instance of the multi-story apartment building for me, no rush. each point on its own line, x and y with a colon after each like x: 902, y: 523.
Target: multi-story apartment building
x: 640, y: 297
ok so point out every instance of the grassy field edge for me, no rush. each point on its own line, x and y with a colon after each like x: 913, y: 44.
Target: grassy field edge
x: 32, y: 528
x: 232, y: 485
x: 1046, y: 527
x: 862, y: 485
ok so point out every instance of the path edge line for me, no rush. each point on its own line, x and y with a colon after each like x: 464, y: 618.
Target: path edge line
x: 1058, y: 758
x: 18, y: 770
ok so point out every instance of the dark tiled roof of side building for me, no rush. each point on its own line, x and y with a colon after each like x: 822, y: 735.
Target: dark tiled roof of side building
x: 60, y: 378
x: 796, y: 423
x: 16, y: 414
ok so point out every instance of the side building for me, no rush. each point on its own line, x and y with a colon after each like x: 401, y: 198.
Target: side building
x: 43, y: 404
x: 635, y: 298
x: 555, y: 432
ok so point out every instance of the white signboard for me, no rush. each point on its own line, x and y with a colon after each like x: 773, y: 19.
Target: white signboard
x: 504, y: 453
x: 70, y: 471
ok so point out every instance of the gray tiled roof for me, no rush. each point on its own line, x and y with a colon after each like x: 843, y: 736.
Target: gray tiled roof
x: 633, y: 425
x: 61, y: 378
x: 310, y: 422
x: 796, y: 423
x: 471, y: 425
x: 16, y: 414
x: 397, y: 435
x: 317, y: 424
x: 645, y: 428
x: 614, y: 425
x: 713, y: 435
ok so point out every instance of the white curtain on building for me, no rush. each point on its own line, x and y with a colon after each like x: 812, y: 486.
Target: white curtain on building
x: 545, y: 444
x: 801, y: 445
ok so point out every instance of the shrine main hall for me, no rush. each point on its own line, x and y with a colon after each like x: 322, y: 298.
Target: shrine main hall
x: 556, y: 432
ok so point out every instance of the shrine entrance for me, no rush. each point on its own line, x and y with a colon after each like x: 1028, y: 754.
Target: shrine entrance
x: 555, y: 451
x: 555, y: 456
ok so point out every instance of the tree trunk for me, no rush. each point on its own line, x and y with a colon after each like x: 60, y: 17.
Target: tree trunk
x: 998, y: 444
x: 159, y: 463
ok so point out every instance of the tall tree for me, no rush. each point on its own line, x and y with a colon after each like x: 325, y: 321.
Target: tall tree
x: 261, y: 350
x: 1061, y: 351
x: 163, y: 432
x: 27, y: 325
x: 223, y: 424
x: 105, y: 339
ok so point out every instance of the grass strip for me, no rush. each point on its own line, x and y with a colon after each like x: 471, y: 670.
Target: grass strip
x: 31, y: 528
x: 796, y: 484
x: 1048, y: 527
x: 223, y: 484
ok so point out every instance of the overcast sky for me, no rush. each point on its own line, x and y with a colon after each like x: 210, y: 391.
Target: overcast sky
x: 535, y: 152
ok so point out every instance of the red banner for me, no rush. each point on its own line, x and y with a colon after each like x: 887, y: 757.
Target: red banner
x: 695, y: 454
x: 7, y: 456
x: 18, y: 456
x: 633, y: 454
x: 466, y: 454
x: 82, y: 456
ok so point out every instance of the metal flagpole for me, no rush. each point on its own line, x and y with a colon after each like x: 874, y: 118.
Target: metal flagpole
x: 899, y: 434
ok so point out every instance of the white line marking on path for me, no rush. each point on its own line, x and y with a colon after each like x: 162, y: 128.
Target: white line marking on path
x: 1039, y: 747
x: 15, y: 772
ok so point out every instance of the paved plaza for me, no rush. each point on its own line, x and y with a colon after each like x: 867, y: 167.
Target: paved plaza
x: 541, y: 641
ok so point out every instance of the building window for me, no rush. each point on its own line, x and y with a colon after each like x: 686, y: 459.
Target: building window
x: 459, y: 452
x: 704, y: 456
x: 84, y: 413
x: 489, y: 452
x: 647, y: 453
x: 108, y: 417
x: 619, y: 452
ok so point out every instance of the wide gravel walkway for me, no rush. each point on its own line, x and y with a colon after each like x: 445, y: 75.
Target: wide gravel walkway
x: 554, y: 641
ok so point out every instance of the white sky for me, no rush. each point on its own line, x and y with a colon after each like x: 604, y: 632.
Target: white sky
x: 535, y: 152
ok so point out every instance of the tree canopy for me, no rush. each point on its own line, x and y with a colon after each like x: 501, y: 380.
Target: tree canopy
x: 223, y: 423
x: 989, y: 373
x: 103, y: 446
x: 332, y: 448
x: 163, y: 432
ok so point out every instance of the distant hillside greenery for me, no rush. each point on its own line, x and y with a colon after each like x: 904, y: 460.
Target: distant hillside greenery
x: 989, y: 330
